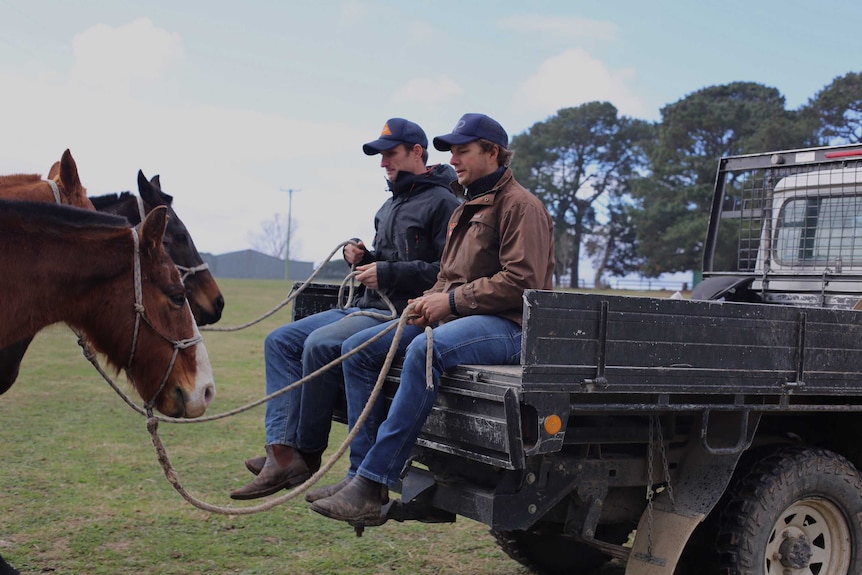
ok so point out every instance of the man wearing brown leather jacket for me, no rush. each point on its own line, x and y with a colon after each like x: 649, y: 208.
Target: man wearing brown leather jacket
x: 500, y: 243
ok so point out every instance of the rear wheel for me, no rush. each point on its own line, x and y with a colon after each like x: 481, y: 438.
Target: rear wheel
x: 547, y: 551
x: 794, y: 513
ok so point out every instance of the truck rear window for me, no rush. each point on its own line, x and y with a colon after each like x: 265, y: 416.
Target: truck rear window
x: 820, y: 231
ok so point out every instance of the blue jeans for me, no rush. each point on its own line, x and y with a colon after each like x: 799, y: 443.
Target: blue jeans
x: 383, y: 445
x: 302, y: 417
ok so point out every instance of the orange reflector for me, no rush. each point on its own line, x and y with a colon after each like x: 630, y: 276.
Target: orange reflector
x: 553, y: 424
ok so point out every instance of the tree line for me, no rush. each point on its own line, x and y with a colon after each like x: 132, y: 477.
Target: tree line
x: 634, y: 196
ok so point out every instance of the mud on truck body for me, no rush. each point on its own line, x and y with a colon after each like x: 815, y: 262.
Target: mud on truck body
x: 717, y: 434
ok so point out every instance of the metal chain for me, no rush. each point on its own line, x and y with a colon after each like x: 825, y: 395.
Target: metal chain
x: 650, y: 493
x: 665, y: 465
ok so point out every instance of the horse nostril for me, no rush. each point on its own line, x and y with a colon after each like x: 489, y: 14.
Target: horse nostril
x: 219, y: 303
x: 179, y: 403
x: 209, y: 394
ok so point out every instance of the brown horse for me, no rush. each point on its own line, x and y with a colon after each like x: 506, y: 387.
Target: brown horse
x: 129, y: 301
x: 63, y: 186
x: 116, y: 285
x: 203, y: 293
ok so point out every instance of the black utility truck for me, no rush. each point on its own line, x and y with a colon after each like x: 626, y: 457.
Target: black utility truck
x: 720, y: 433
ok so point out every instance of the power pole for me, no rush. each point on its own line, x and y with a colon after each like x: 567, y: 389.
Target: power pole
x: 290, y: 192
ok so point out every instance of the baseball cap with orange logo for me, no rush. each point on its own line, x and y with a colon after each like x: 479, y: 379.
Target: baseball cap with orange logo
x: 396, y: 131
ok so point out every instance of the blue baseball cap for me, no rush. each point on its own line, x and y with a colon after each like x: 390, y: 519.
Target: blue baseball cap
x: 472, y: 127
x: 396, y: 131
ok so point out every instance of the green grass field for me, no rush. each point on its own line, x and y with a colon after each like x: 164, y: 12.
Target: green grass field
x: 81, y: 491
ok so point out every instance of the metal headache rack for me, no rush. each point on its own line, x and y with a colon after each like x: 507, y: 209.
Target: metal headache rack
x: 794, y: 222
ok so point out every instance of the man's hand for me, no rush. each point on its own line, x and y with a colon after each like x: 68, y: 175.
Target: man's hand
x: 367, y: 275
x: 354, y: 253
x: 431, y: 308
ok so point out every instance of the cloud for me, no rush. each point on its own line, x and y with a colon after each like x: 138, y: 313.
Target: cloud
x: 114, y: 58
x: 575, y: 77
x: 225, y: 167
x: 351, y: 13
x: 428, y: 91
x: 562, y: 27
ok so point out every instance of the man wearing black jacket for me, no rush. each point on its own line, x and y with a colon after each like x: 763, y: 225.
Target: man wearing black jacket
x: 410, y: 234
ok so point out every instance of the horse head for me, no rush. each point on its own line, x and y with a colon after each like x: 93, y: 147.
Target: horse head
x: 65, y: 174
x: 203, y: 293
x: 181, y: 385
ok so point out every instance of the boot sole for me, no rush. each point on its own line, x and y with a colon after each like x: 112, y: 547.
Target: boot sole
x: 361, y: 521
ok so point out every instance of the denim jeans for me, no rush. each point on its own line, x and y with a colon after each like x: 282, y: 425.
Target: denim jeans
x: 302, y: 417
x: 383, y: 445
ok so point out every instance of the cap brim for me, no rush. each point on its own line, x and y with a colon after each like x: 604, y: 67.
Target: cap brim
x: 380, y: 145
x: 445, y: 143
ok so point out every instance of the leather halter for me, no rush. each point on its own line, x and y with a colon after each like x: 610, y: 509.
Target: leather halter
x: 54, y: 189
x: 140, y: 314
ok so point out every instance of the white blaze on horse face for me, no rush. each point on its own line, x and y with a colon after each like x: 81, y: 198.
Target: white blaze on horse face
x: 205, y: 390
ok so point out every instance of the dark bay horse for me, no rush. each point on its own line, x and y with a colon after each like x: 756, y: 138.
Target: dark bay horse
x: 204, y: 295
x: 128, y: 299
x: 63, y: 264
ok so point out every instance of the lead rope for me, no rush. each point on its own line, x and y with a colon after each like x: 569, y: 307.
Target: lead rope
x: 290, y: 297
x: 91, y: 357
x: 173, y: 478
x: 153, y: 420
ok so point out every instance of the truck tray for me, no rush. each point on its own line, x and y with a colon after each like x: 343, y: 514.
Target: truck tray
x: 589, y: 343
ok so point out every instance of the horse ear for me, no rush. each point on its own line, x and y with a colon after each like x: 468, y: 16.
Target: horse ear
x: 69, y: 172
x: 54, y: 172
x: 153, y: 229
x: 151, y: 191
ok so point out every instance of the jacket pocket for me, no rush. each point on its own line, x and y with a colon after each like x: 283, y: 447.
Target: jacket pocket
x: 418, y: 246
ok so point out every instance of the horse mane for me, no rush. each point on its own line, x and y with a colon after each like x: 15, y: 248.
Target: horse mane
x: 19, y: 179
x: 107, y: 200
x: 58, y: 215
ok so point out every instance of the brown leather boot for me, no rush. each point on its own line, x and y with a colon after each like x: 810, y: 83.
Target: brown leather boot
x: 326, y: 490
x: 312, y: 460
x: 274, y: 477
x: 360, y: 502
x: 255, y: 464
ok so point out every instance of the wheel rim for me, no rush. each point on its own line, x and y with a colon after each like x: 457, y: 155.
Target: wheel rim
x: 809, y: 537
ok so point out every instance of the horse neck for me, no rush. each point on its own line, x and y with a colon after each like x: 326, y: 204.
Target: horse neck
x: 28, y: 187
x: 123, y: 204
x: 63, y: 278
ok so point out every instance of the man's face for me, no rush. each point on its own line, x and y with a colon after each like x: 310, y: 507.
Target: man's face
x: 471, y: 163
x: 398, y: 159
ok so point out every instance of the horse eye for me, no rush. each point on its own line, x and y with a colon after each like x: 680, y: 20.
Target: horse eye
x: 178, y: 300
